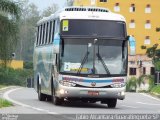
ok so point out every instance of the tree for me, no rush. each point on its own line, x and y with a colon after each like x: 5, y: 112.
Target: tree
x: 70, y: 2
x: 27, y: 26
x: 8, y: 31
x: 154, y: 53
x: 50, y: 10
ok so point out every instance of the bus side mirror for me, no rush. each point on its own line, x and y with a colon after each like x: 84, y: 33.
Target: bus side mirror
x: 56, y: 43
x: 132, y: 45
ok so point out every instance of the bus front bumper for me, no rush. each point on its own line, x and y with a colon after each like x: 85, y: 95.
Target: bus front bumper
x: 99, y: 93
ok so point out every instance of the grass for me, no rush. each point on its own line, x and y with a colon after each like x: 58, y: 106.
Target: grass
x: 5, y: 103
x: 2, y: 86
x: 156, y: 89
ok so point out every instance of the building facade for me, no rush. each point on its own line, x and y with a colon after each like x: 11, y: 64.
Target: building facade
x: 142, y: 20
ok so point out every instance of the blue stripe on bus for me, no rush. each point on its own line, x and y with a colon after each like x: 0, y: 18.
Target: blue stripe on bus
x: 97, y: 81
x: 56, y: 42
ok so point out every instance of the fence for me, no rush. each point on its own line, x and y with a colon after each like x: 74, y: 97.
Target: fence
x: 157, y: 77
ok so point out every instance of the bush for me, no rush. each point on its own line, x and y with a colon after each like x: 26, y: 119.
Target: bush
x: 10, y: 76
x: 150, y: 79
x: 131, y: 84
x: 28, y: 65
x: 156, y: 89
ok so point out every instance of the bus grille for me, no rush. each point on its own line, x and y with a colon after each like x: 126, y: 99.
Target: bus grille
x: 108, y: 86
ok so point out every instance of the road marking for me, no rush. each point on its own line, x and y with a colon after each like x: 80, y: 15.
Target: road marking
x: 147, y: 103
x: 150, y: 96
x: 129, y: 106
x: 5, y: 88
x: 6, y: 96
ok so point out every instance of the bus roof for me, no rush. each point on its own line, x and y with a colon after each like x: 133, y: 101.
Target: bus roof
x: 93, y: 13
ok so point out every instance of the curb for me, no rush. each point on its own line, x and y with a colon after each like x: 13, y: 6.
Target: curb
x: 155, y: 95
x: 5, y: 88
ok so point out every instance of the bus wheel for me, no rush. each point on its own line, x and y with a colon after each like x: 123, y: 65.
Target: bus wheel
x: 41, y: 96
x: 112, y: 103
x: 57, y: 101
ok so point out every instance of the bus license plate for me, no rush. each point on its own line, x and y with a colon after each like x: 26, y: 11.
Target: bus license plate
x: 93, y: 93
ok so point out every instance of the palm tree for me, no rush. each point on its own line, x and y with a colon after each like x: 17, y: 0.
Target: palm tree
x: 9, y: 14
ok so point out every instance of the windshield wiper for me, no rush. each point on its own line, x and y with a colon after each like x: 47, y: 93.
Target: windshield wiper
x: 82, y: 63
x: 102, y: 61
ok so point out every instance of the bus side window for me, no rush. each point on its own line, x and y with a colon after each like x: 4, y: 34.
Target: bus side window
x: 38, y: 29
x: 44, y: 33
x: 53, y: 28
x: 47, y: 33
x: 51, y: 31
x: 41, y: 35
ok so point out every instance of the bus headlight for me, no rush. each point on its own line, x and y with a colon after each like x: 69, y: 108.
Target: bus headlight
x: 67, y: 83
x: 118, y: 85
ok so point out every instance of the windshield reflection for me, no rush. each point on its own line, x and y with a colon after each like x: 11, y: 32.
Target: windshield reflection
x: 108, y: 55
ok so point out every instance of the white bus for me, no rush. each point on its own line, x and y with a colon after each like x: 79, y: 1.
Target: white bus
x: 81, y: 54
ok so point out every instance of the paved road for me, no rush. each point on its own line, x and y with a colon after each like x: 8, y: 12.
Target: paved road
x: 134, y: 103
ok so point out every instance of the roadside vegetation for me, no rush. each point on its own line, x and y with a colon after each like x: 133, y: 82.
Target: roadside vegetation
x: 9, y: 17
x: 5, y: 103
x: 2, y: 86
x: 10, y: 76
x: 134, y: 85
x: 156, y: 89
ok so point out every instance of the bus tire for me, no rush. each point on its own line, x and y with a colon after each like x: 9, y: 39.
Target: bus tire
x: 112, y: 103
x: 55, y: 100
x: 41, y: 96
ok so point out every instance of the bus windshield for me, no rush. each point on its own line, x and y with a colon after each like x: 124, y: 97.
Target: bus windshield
x: 101, y: 28
x: 84, y: 56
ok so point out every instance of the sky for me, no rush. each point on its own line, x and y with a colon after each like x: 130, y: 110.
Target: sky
x: 43, y: 4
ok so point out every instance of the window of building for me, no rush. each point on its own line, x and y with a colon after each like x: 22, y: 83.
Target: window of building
x: 117, y: 7
x: 132, y: 8
x: 132, y: 24
x: 132, y: 62
x: 147, y: 40
x: 132, y: 71
x: 93, y: 2
x: 148, y: 8
x: 152, y: 71
x: 144, y: 70
x: 148, y: 24
x: 103, y: 0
